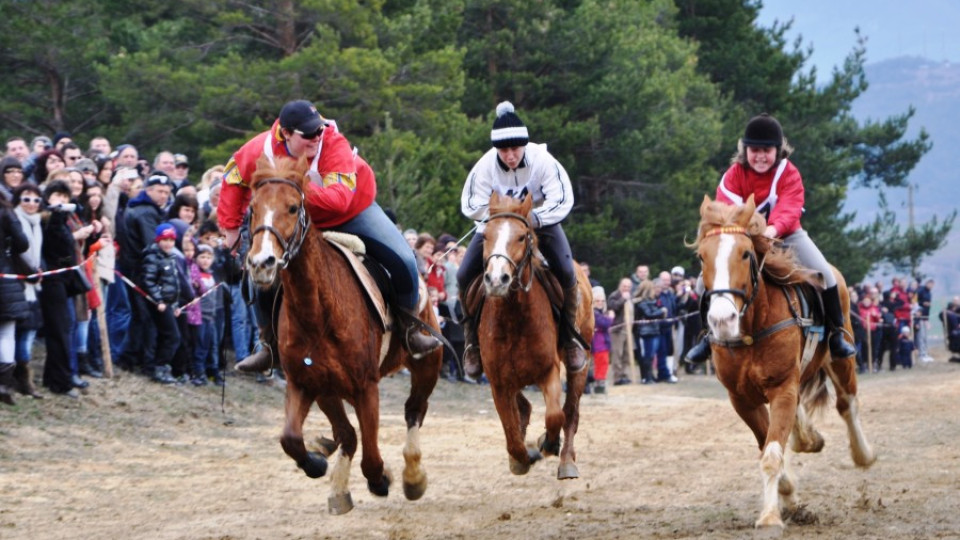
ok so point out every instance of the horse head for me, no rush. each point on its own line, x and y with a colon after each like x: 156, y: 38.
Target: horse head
x: 729, y: 261
x: 509, y: 243
x: 278, y: 218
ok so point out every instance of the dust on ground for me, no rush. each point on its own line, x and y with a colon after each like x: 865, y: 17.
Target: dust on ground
x: 132, y: 459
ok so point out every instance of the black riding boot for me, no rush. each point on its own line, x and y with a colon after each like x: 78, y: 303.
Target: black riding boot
x: 699, y: 353
x: 472, y: 365
x: 266, y: 302
x: 839, y: 347
x: 415, y: 341
x: 573, y: 354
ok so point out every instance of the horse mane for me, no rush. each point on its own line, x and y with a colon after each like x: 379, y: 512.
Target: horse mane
x: 779, y: 265
x: 291, y: 169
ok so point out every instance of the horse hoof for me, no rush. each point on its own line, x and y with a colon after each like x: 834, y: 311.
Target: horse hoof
x: 770, y: 522
x: 380, y: 488
x: 340, y: 504
x: 315, y: 465
x: 567, y: 471
x: 414, y: 491
x: 548, y: 448
x: 518, y: 468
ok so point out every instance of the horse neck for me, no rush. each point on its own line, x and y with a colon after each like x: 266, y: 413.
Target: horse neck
x: 316, y: 269
x: 755, y: 317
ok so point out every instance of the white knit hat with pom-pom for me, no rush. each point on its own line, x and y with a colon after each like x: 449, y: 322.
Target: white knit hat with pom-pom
x: 508, y: 130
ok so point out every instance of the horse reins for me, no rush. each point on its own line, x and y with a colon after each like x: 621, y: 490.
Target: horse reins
x: 518, y: 268
x: 291, y: 246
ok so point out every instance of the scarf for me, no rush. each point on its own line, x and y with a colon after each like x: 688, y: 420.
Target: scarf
x: 31, y: 228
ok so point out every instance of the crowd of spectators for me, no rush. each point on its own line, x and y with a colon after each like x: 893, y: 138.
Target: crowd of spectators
x: 163, y: 293
x: 107, y: 253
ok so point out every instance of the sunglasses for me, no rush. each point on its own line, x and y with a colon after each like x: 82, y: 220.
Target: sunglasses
x: 35, y: 200
x: 310, y: 136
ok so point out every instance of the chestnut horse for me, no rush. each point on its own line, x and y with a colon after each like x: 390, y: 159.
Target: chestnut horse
x: 331, y: 347
x: 518, y: 338
x: 757, y: 344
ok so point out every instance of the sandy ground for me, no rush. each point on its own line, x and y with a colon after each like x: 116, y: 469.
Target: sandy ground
x: 135, y: 460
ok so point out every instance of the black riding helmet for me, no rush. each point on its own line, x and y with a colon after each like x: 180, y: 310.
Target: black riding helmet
x: 764, y: 131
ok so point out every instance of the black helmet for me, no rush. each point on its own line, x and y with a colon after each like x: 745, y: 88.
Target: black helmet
x: 763, y: 130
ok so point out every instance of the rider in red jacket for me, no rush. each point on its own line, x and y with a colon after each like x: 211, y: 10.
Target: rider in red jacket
x: 761, y: 169
x: 341, y: 197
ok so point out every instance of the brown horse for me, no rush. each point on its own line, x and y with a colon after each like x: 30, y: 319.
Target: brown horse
x: 332, y: 349
x: 757, y: 344
x: 519, y: 342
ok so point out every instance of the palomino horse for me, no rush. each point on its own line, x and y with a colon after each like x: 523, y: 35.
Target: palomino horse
x: 757, y: 344
x: 518, y: 338
x: 331, y: 348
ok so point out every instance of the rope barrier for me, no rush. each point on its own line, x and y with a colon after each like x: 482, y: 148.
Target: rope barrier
x: 38, y: 275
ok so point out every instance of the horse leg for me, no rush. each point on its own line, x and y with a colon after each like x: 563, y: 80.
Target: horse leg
x: 549, y: 442
x: 844, y: 377
x: 297, y: 407
x: 783, y: 410
x: 340, y: 501
x: 805, y: 437
x: 371, y: 464
x: 525, y: 409
x: 424, y: 374
x: 571, y: 414
x: 520, y: 456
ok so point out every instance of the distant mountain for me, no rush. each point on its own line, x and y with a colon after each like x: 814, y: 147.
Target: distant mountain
x: 933, y: 89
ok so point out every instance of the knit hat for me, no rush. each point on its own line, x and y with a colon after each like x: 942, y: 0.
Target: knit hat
x: 508, y: 130
x: 203, y: 248
x: 86, y: 165
x: 8, y: 163
x: 165, y: 231
x: 158, y: 178
x: 677, y: 271
x: 763, y: 130
x: 61, y: 135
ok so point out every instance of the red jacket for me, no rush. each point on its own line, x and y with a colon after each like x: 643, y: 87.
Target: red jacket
x: 342, y: 184
x: 785, y: 202
x: 871, y: 316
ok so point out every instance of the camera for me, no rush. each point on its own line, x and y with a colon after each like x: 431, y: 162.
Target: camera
x: 64, y: 207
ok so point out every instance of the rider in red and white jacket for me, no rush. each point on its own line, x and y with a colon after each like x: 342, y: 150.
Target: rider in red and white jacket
x: 761, y: 169
x: 341, y: 197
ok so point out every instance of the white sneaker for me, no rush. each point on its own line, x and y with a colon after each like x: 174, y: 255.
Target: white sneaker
x: 926, y: 359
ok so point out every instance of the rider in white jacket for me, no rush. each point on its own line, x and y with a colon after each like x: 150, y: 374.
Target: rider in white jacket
x: 514, y: 163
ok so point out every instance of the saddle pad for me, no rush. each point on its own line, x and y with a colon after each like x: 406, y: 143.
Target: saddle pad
x: 367, y: 283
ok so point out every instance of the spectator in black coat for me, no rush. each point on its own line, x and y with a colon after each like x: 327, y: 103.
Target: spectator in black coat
x: 13, y: 303
x: 143, y: 215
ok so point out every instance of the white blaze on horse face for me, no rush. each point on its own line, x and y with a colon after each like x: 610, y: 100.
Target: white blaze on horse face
x: 499, y: 269
x: 723, y: 317
x: 266, y: 245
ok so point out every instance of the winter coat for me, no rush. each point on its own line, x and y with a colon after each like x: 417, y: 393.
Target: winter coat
x: 601, y: 334
x: 648, y: 309
x: 141, y: 219
x: 13, y: 302
x: 160, y: 276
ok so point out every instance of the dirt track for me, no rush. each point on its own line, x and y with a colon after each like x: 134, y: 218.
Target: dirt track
x: 133, y: 460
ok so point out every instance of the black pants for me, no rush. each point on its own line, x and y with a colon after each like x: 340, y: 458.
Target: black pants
x: 168, y: 337
x: 139, y: 347
x: 57, y: 375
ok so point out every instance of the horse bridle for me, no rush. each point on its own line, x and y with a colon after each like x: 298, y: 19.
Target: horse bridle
x: 291, y: 246
x: 754, y: 277
x: 518, y: 268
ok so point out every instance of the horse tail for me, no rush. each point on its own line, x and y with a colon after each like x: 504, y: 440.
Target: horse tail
x: 814, y: 394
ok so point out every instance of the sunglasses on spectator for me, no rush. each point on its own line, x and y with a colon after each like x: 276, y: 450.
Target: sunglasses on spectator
x: 310, y: 136
x: 35, y: 200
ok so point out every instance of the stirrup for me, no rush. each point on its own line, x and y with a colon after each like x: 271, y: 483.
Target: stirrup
x: 257, y: 362
x: 839, y: 347
x: 699, y: 353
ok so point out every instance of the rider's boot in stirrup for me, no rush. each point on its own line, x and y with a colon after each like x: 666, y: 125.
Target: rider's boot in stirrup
x: 573, y: 354
x: 472, y: 366
x: 265, y: 358
x: 415, y: 341
x: 699, y: 353
x: 839, y: 347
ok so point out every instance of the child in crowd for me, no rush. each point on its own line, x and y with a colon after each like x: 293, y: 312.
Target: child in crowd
x: 224, y: 266
x: 206, y: 354
x: 600, y: 347
x: 162, y: 282
x: 905, y: 348
x: 190, y: 318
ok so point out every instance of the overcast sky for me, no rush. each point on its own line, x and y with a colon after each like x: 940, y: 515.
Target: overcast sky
x: 927, y: 28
